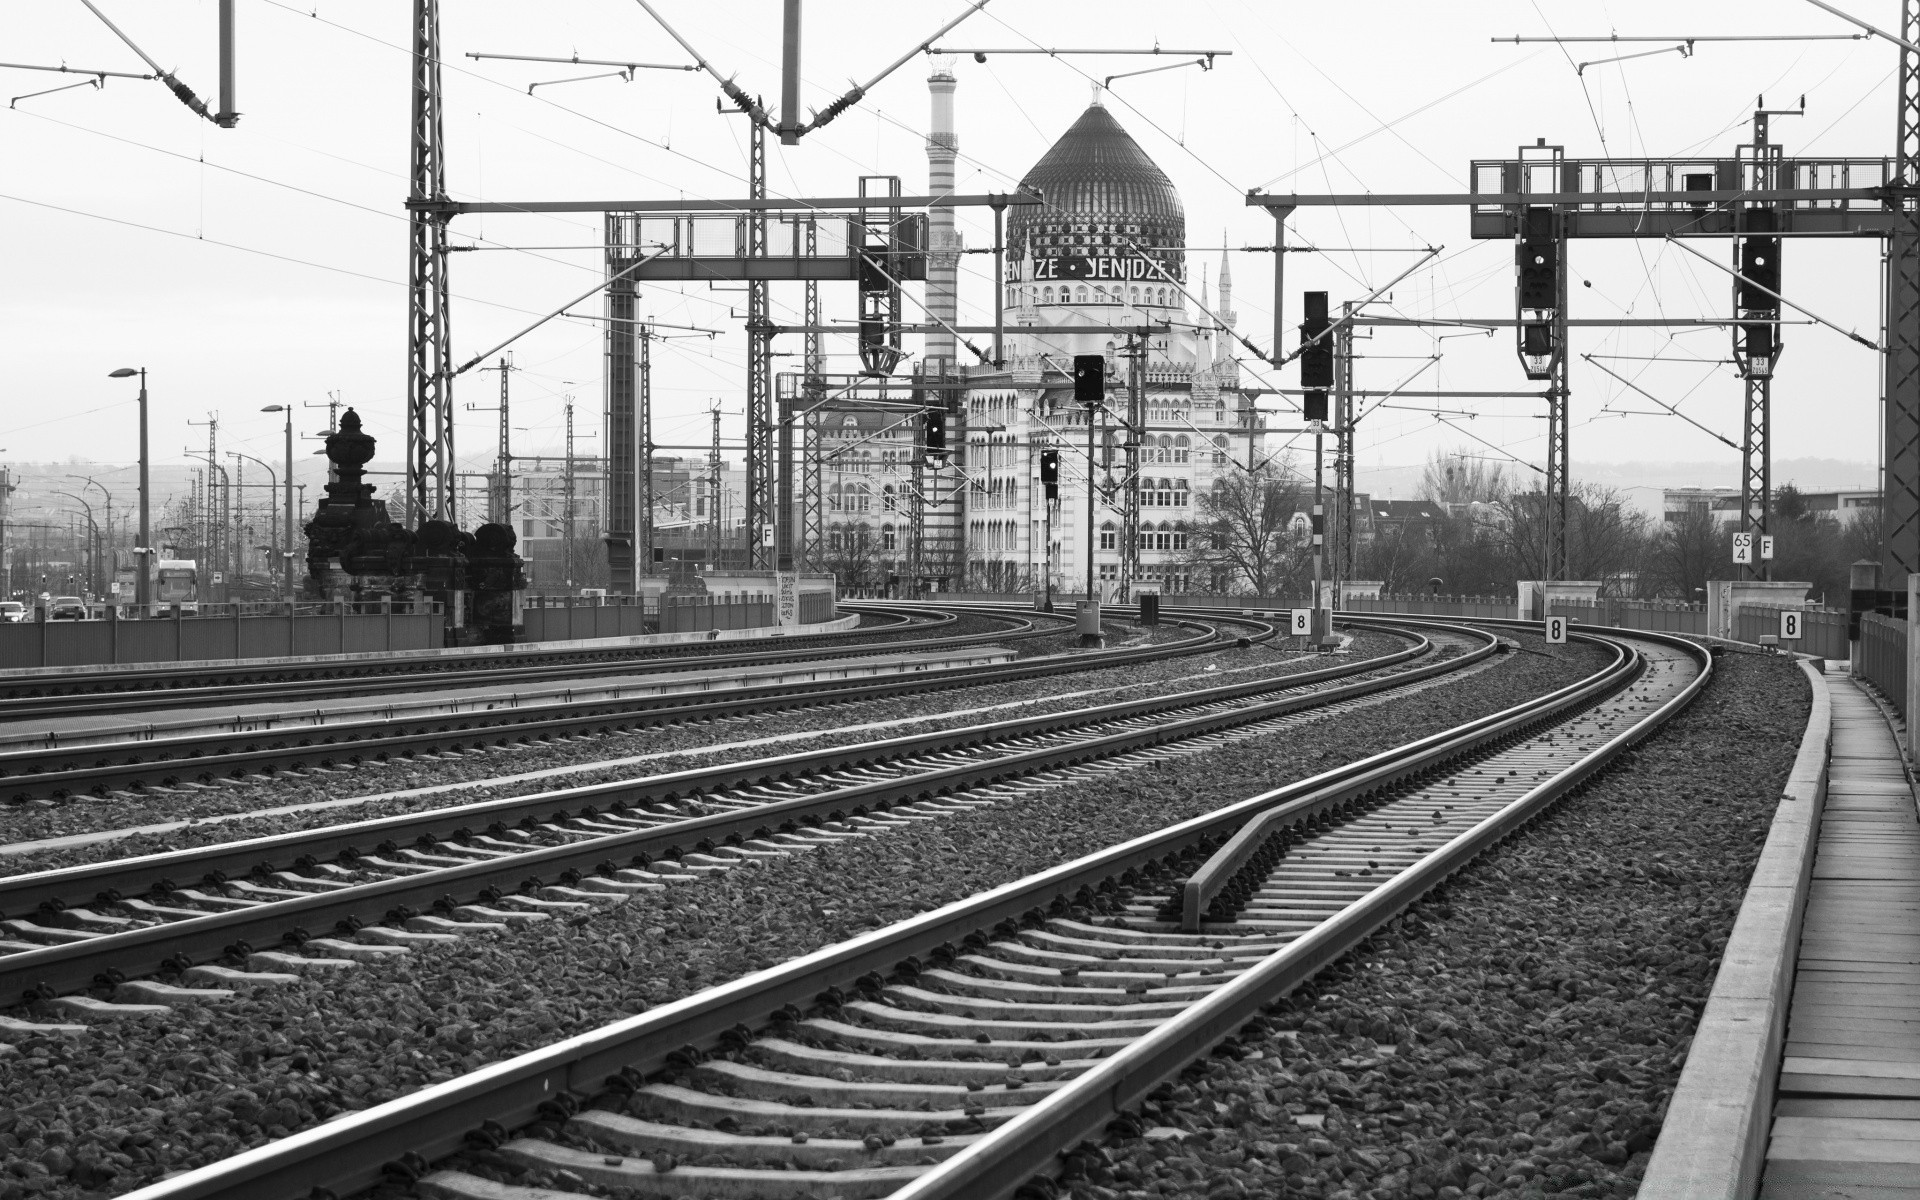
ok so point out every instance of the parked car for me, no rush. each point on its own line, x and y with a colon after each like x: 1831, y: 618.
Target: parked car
x: 66, y: 608
x: 13, y: 612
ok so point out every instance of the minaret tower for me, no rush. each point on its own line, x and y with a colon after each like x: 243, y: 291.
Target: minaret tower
x: 943, y: 300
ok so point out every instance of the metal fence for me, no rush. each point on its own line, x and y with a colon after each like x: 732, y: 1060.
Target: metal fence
x: 689, y: 614
x: 567, y: 618
x: 1667, y: 616
x: 1883, y: 657
x: 1823, y: 631
x: 229, y: 631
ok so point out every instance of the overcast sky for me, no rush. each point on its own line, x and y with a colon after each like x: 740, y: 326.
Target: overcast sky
x: 266, y: 264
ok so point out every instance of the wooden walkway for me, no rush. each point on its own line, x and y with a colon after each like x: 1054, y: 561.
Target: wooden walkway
x: 1847, y: 1111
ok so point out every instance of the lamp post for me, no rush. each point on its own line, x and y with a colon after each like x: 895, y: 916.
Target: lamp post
x: 273, y: 485
x: 93, y: 540
x: 112, y: 552
x: 143, y: 585
x: 286, y: 481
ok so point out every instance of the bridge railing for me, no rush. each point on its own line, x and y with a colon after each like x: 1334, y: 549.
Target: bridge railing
x: 1883, y: 657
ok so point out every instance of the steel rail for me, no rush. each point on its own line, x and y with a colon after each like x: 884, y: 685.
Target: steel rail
x: 204, y: 757
x: 1031, y: 1143
x: 27, y: 893
x: 359, y: 1149
x: 75, y: 965
x: 246, y: 680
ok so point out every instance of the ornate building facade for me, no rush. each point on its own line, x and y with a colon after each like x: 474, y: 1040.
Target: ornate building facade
x: 1101, y: 268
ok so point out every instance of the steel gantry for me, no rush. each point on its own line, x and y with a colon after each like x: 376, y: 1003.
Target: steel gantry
x: 1752, y: 199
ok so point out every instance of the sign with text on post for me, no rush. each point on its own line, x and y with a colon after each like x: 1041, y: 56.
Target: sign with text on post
x: 1300, y: 622
x: 1766, y: 547
x: 1743, y: 549
x: 1557, y: 631
x: 786, y: 599
x: 1790, y: 625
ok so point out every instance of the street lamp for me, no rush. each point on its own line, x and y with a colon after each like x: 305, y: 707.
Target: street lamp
x: 273, y: 485
x: 113, y: 553
x: 143, y: 586
x: 93, y: 541
x: 286, y: 481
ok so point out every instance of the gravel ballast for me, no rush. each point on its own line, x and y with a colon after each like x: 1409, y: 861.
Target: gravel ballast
x: 132, y: 1100
x: 694, y: 744
x: 1520, y: 1032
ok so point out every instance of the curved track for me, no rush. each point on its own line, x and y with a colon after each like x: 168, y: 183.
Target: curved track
x: 960, y: 1052
x: 589, y: 844
x: 98, y: 768
x: 244, y: 681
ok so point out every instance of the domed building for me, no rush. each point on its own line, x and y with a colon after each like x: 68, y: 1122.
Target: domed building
x: 1104, y: 254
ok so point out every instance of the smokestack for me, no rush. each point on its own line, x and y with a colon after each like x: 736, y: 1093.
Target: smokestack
x: 943, y: 300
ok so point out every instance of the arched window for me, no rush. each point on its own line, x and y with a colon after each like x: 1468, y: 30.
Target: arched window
x: 1046, y: 294
x: 1133, y: 295
x: 1181, y: 449
x: 1080, y: 293
x: 1220, y: 412
x: 886, y: 498
x: 864, y: 498
x: 866, y: 462
x: 1164, y: 448
x: 833, y: 497
x: 1108, y: 539
x: 887, y: 539
x: 1220, y: 450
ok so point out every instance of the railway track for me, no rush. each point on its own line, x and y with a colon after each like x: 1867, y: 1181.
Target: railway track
x: 207, y: 757
x: 242, y: 681
x: 964, y: 1051
x: 100, y: 923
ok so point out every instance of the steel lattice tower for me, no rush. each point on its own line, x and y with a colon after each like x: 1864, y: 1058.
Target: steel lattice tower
x: 1900, y: 482
x: 429, y: 382
x: 760, y: 506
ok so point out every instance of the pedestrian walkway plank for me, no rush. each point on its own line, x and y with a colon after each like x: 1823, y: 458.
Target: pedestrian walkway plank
x: 1847, y: 1110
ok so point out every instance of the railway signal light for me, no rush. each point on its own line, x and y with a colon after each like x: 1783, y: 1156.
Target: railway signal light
x: 933, y: 425
x: 1316, y: 344
x: 1050, y: 472
x: 1089, y: 379
x: 1756, y: 342
x: 1537, y: 271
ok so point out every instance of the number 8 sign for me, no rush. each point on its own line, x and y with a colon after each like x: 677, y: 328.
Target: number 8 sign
x: 1789, y: 625
x: 1302, y: 621
x: 1557, y: 631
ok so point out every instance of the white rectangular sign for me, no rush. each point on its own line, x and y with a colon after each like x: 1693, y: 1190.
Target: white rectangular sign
x: 1766, y: 547
x: 786, y: 586
x: 1557, y: 631
x: 1789, y: 625
x: 1301, y: 622
x: 1743, y: 548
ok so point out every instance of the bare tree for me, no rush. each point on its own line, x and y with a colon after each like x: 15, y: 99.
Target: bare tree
x: 853, y: 555
x: 1684, y: 554
x: 1244, y: 531
x: 1459, y: 476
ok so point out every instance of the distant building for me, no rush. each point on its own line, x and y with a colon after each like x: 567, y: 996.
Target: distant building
x: 1396, y: 518
x: 1844, y: 507
x: 1724, y: 503
x: 1677, y: 504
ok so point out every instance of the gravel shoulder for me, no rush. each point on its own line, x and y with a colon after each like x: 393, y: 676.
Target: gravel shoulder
x: 416, y: 785
x: 134, y: 1099
x: 1519, y: 1033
